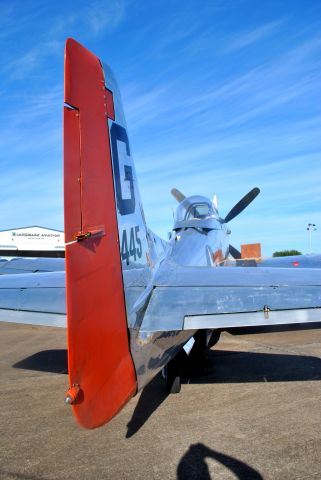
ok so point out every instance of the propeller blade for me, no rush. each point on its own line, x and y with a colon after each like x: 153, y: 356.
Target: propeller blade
x: 214, y: 201
x: 242, y: 204
x: 234, y: 252
x: 177, y: 195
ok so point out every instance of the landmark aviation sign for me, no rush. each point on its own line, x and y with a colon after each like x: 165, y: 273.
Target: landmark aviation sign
x: 32, y: 238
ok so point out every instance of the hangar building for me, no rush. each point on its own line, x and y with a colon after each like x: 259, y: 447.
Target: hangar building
x: 32, y: 242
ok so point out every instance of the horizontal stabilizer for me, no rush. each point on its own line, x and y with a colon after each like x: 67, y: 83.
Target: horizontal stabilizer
x: 33, y: 298
x: 16, y: 265
x: 203, y: 297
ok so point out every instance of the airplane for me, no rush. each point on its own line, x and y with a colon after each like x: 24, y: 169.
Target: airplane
x: 133, y: 301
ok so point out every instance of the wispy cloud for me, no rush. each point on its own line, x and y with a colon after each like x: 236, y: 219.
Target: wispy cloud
x: 28, y: 63
x: 91, y: 20
x: 278, y: 215
x: 249, y: 95
x: 14, y: 21
x: 87, y: 22
x: 211, y: 107
x: 30, y: 199
x: 102, y: 14
x: 140, y: 105
x: 250, y: 37
x: 35, y: 126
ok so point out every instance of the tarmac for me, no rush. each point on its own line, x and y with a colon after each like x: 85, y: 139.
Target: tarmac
x: 257, y: 416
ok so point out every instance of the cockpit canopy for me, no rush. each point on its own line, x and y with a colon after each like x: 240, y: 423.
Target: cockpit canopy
x: 199, y: 210
x: 195, y: 208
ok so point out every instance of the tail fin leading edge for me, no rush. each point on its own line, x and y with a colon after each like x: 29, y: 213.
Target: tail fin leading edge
x: 99, y: 358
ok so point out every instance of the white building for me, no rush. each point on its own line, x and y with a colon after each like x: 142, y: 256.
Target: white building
x: 32, y: 241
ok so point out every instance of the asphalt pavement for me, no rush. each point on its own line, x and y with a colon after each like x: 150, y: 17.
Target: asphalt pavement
x: 257, y: 416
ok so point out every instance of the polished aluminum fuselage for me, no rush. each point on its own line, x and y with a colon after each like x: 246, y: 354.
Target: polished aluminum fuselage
x: 154, y: 343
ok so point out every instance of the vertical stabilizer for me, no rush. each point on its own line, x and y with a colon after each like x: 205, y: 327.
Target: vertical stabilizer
x: 100, y: 364
x: 133, y: 236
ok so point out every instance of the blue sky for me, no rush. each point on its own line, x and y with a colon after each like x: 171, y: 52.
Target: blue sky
x: 220, y: 96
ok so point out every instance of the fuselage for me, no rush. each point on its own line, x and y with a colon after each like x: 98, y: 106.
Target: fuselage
x: 199, y: 237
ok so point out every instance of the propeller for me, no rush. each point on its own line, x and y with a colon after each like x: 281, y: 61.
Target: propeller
x: 234, y: 252
x: 214, y: 201
x: 177, y: 195
x: 242, y: 204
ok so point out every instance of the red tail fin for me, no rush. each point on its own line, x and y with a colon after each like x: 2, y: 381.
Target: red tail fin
x: 98, y: 352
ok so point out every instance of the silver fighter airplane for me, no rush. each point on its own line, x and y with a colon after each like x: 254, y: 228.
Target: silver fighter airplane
x: 134, y: 301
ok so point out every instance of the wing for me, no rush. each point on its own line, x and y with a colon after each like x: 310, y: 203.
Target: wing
x: 17, y: 265
x: 295, y: 261
x: 192, y: 298
x: 35, y: 298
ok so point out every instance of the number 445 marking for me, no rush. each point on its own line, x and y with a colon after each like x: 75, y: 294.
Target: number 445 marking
x: 131, y: 247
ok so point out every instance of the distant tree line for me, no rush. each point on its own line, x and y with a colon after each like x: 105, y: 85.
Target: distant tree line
x: 286, y: 253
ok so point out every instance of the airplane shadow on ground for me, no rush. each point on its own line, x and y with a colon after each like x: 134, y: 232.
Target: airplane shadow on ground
x: 20, y: 476
x: 231, y: 367
x: 53, y: 361
x: 192, y: 465
x: 244, y: 367
x: 228, y: 367
x: 150, y: 399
